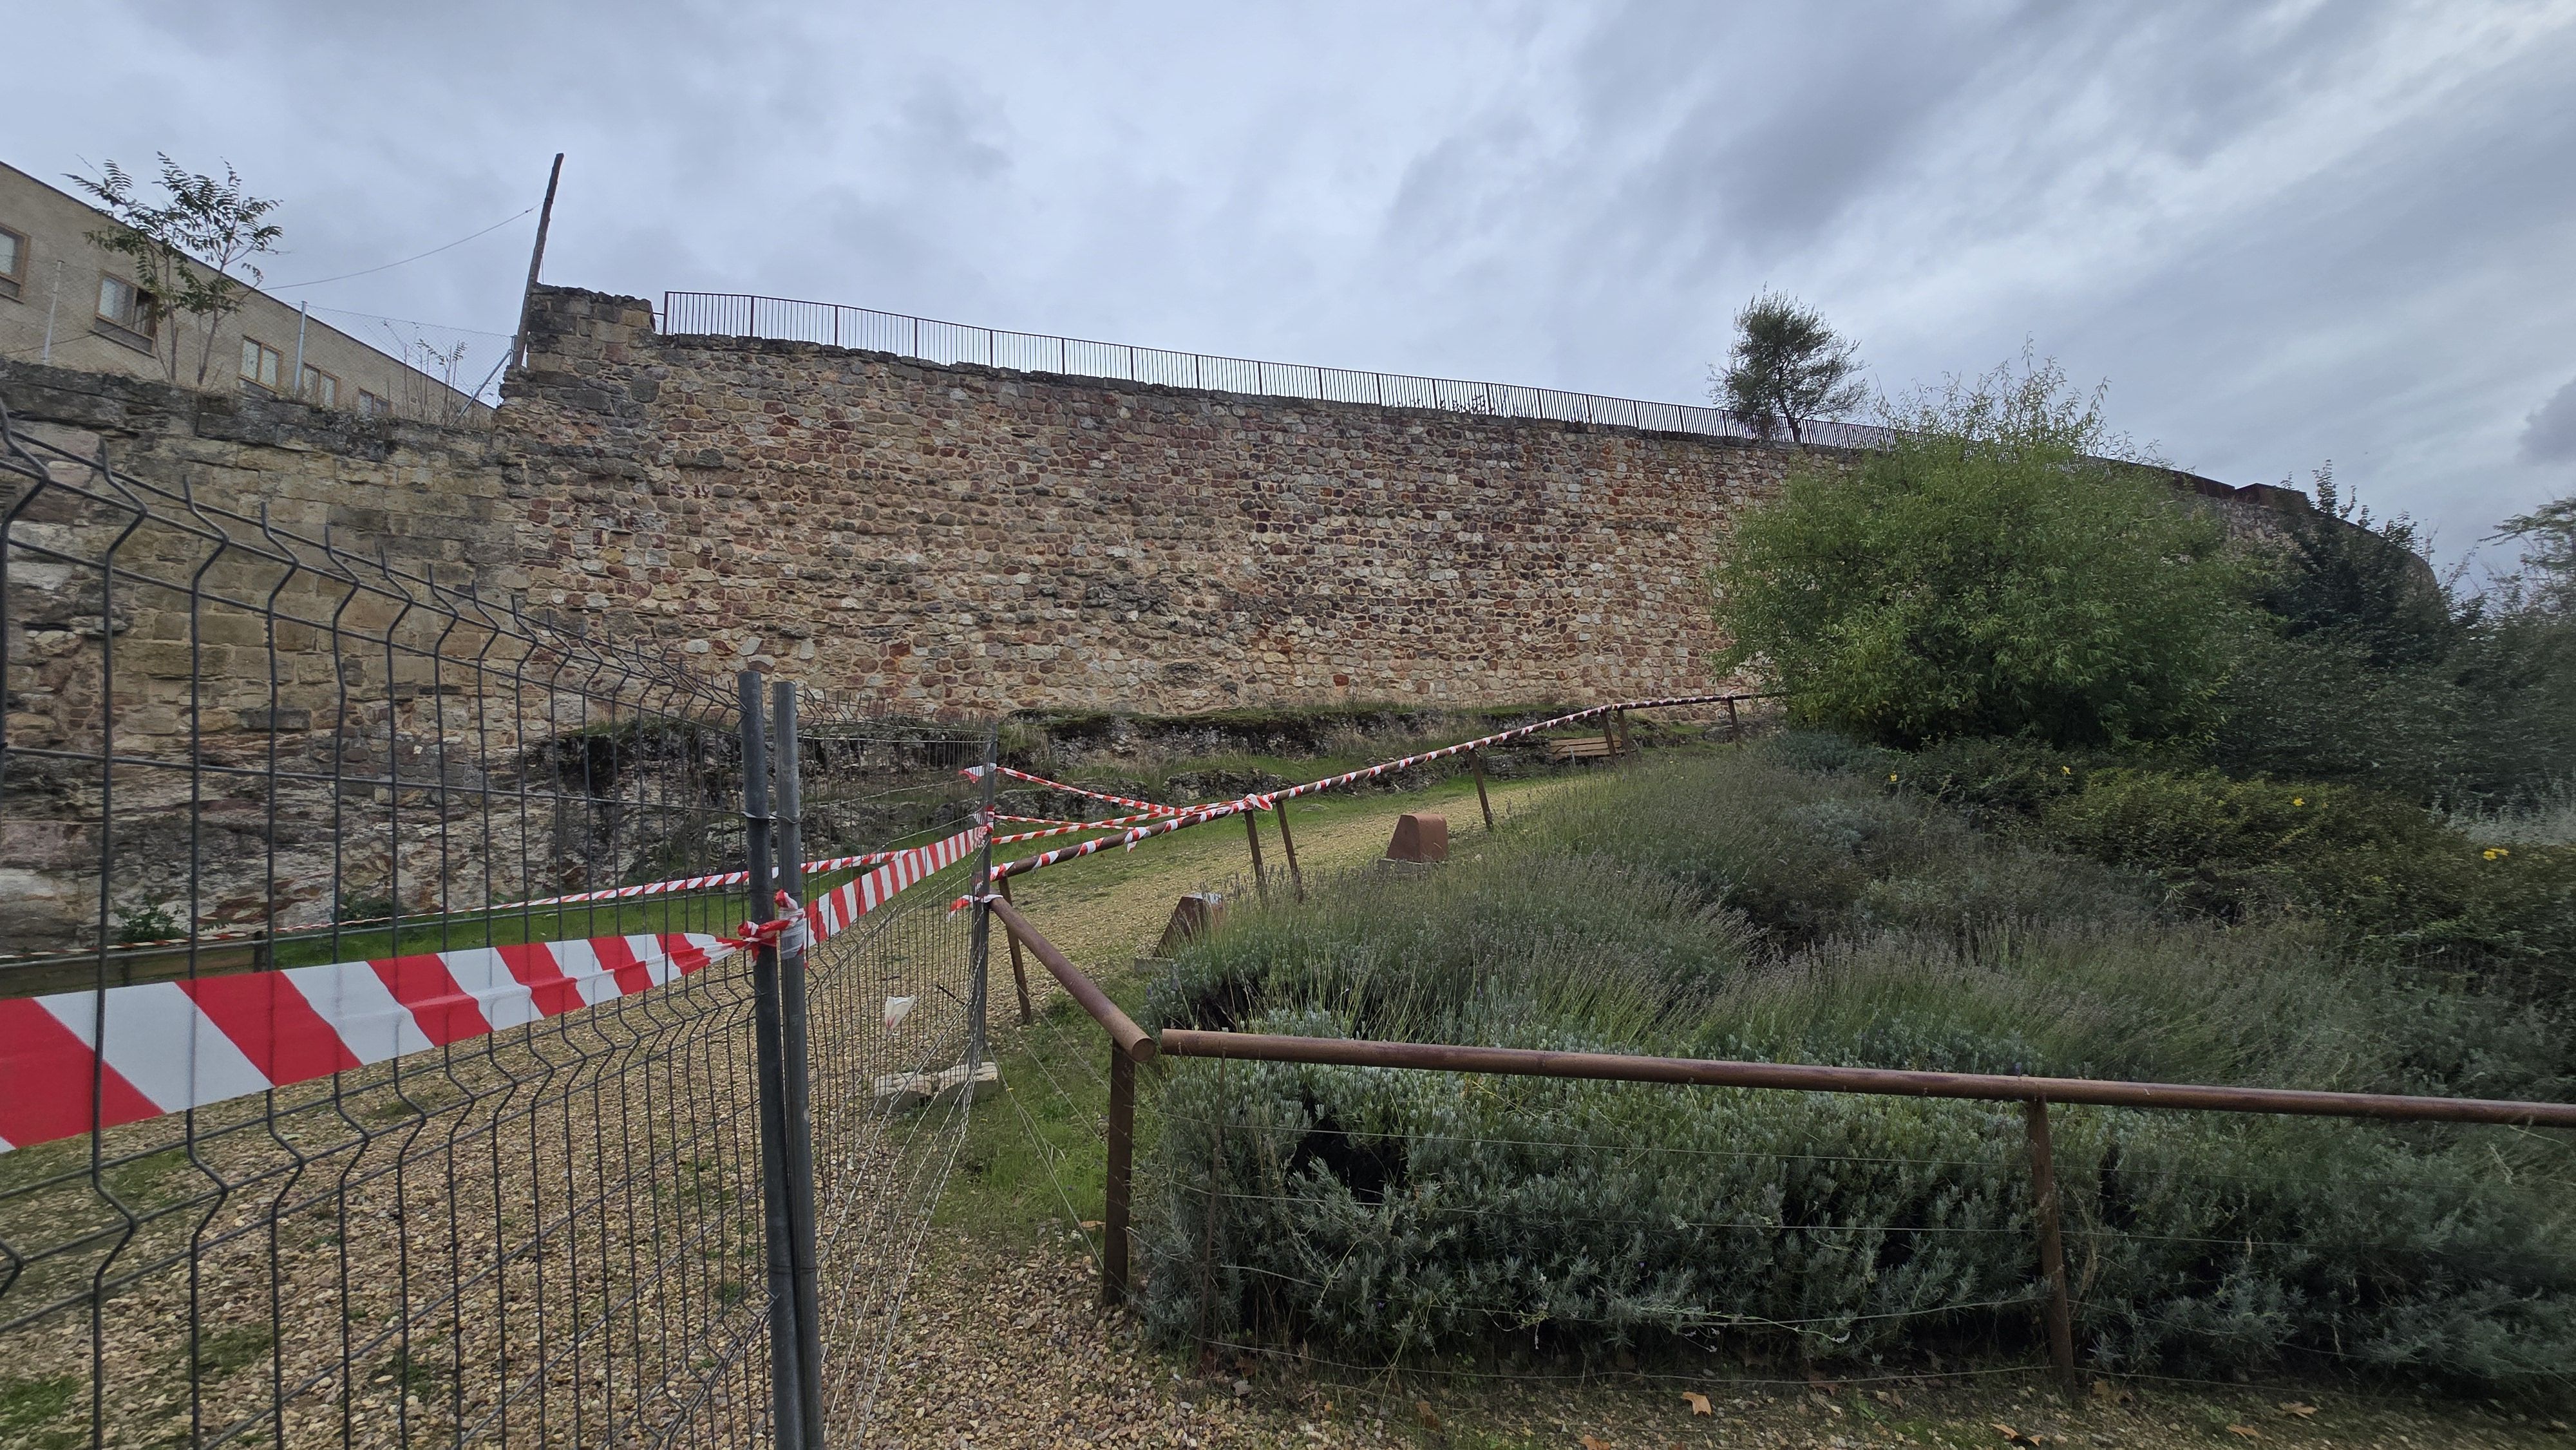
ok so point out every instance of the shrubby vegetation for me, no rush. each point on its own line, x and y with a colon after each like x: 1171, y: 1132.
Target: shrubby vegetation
x: 1796, y: 904
x: 1996, y: 570
x: 2002, y: 572
x: 2099, y: 793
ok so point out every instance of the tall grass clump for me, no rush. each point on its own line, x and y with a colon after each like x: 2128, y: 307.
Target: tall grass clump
x: 1795, y: 903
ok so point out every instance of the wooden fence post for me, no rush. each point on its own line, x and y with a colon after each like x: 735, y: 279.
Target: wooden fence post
x: 2052, y: 1248
x: 1296, y: 878
x: 1734, y: 724
x: 1019, y: 969
x: 1476, y: 762
x: 1260, y: 878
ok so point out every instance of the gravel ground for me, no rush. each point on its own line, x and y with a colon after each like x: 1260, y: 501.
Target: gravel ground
x: 1004, y: 1344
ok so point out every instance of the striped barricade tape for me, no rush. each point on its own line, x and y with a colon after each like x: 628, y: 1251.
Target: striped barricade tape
x: 164, y: 1047
x: 1068, y: 828
x: 976, y: 772
x: 1183, y: 818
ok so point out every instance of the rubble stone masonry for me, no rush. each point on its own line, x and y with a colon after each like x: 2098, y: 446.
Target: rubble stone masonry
x: 960, y: 537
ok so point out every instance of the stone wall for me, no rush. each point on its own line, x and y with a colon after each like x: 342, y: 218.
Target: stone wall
x: 965, y: 538
x: 254, y: 683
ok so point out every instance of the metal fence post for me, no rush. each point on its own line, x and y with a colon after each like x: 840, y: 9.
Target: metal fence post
x: 979, y: 992
x: 2052, y: 1248
x: 787, y: 1401
x: 798, y: 1067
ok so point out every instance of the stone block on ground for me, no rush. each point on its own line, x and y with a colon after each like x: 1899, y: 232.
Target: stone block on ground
x: 1420, y: 838
x: 1194, y: 916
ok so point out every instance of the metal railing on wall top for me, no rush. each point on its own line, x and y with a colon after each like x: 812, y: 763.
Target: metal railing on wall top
x: 830, y: 324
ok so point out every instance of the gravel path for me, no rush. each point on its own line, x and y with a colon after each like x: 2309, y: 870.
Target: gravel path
x: 1006, y: 1345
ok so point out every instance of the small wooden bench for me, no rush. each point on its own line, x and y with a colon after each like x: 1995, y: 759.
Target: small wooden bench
x: 1580, y: 747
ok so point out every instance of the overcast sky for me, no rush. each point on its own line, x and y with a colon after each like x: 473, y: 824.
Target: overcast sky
x: 2281, y: 234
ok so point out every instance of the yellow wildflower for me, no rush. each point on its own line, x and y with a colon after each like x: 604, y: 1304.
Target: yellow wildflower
x: 2298, y: 800
x: 2495, y: 853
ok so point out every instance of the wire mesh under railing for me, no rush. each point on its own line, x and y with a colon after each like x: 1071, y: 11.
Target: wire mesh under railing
x: 728, y: 314
x: 374, y: 1068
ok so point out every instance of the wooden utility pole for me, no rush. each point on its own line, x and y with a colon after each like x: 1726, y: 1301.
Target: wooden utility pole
x: 536, y: 263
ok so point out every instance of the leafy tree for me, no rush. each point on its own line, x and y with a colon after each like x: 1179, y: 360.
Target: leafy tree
x: 1787, y: 368
x: 2361, y: 580
x: 2547, y: 582
x: 2366, y: 666
x: 1994, y: 571
x: 185, y: 247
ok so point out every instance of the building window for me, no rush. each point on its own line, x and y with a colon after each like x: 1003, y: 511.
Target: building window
x: 371, y: 406
x: 124, y: 313
x: 319, y: 387
x: 260, y: 366
x: 13, y: 262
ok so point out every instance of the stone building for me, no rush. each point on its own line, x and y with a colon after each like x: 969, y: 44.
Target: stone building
x: 67, y: 302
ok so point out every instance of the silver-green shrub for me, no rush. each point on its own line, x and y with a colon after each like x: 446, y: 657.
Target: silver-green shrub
x: 1742, y: 908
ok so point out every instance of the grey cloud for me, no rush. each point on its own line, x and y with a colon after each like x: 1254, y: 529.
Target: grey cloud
x: 1572, y: 196
x: 2549, y: 434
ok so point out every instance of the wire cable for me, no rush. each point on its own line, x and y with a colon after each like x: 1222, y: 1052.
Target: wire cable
x: 405, y: 262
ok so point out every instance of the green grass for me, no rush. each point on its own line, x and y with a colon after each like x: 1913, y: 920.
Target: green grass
x: 705, y: 911
x: 1032, y: 1160
x: 31, y: 1413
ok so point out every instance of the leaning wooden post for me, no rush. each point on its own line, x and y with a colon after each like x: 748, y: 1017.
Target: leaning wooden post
x: 1019, y: 970
x: 1260, y: 880
x: 1122, y: 1153
x: 1621, y: 741
x: 1296, y: 878
x: 1476, y: 762
x: 2052, y: 1248
x: 1734, y: 725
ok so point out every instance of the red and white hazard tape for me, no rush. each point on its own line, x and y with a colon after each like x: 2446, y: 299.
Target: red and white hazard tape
x: 693, y: 883
x: 671, y: 887
x: 835, y: 909
x: 1155, y: 808
x: 74, y: 1059
x: 1069, y: 828
x: 1181, y: 819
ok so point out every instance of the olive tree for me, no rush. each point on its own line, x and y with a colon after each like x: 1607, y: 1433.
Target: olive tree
x: 1786, y: 369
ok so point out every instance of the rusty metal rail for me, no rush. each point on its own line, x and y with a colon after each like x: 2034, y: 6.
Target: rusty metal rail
x: 1883, y: 1082
x: 2036, y: 1094
x: 1132, y: 1042
x: 1130, y: 1047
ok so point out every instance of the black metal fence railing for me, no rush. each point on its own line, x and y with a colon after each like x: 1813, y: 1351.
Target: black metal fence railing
x: 731, y: 314
x: 380, y: 1063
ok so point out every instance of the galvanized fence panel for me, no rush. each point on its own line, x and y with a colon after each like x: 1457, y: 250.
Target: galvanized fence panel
x: 371, y: 1070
